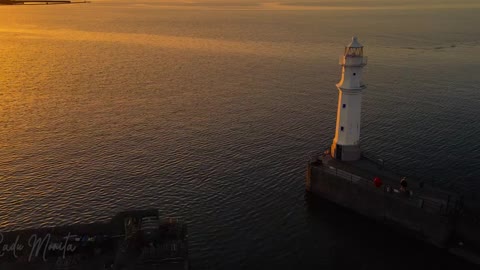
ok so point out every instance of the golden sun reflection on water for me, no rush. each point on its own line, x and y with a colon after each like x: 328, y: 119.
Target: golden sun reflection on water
x: 175, y: 42
x: 108, y: 106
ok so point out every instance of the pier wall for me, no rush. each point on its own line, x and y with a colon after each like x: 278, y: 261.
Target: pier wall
x: 393, y: 209
x: 467, y: 229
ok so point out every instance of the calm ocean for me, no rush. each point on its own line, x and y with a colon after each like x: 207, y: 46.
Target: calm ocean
x: 207, y: 111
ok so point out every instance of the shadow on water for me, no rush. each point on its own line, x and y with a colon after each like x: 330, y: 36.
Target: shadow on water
x: 366, y: 244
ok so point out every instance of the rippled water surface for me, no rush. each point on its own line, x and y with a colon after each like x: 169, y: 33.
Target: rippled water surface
x: 207, y: 111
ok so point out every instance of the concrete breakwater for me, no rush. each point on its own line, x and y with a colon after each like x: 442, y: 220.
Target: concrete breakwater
x: 432, y: 215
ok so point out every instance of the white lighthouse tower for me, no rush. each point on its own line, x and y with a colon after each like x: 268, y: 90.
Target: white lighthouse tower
x: 345, y: 145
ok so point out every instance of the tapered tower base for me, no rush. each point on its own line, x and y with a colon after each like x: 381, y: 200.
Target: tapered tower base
x: 346, y: 152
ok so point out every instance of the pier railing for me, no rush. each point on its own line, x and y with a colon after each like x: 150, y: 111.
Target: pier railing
x: 442, y: 206
x: 417, y: 179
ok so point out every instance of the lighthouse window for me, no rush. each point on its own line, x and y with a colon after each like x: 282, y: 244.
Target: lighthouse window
x: 344, y: 105
x: 341, y: 128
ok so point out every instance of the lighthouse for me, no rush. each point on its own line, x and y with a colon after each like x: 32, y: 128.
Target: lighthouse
x: 346, y: 145
x: 343, y: 176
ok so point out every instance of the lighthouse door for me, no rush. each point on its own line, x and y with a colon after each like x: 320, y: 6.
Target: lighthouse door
x: 338, y: 155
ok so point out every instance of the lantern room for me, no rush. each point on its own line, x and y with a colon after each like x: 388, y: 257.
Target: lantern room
x: 354, y: 49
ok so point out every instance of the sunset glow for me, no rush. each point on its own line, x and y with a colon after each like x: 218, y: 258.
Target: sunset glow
x: 257, y: 124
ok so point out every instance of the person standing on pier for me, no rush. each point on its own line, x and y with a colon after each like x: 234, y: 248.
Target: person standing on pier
x: 403, y: 184
x: 377, y: 182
